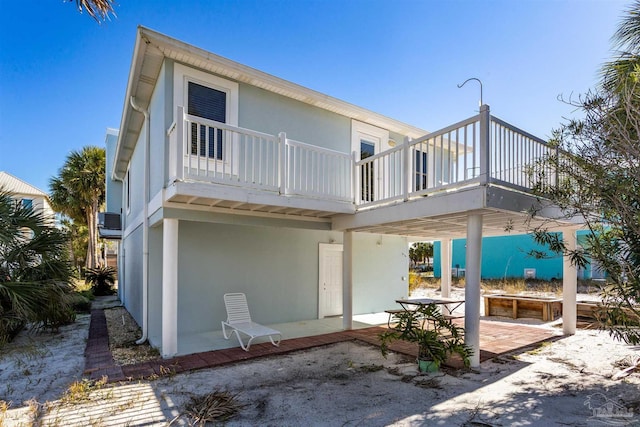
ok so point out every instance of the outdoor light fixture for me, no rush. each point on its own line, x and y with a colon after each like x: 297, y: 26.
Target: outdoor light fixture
x: 478, y: 80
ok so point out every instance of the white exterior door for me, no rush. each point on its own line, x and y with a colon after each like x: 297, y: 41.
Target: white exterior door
x: 330, y: 280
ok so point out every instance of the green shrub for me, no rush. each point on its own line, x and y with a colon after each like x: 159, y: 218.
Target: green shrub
x: 79, y: 302
x: 102, y: 280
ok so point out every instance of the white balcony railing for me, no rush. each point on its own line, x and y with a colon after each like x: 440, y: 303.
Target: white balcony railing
x: 517, y: 157
x: 209, y: 151
x: 478, y: 150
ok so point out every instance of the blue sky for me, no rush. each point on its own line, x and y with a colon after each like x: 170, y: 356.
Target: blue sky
x: 63, y: 76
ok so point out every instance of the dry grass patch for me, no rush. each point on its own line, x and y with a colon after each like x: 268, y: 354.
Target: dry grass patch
x: 80, y: 391
x: 215, y: 407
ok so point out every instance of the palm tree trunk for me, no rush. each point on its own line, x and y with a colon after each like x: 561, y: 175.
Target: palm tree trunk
x: 92, y: 259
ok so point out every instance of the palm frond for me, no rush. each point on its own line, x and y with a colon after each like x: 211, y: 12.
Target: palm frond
x: 627, y: 36
x: 97, y: 9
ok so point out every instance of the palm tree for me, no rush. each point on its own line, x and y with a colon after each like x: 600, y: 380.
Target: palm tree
x: 79, y: 190
x: 34, y: 272
x: 97, y: 9
x: 625, y: 68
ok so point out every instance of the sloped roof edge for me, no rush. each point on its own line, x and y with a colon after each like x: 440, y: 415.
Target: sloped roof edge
x: 15, y: 185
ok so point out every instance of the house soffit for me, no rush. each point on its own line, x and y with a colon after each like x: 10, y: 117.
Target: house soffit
x: 152, y: 47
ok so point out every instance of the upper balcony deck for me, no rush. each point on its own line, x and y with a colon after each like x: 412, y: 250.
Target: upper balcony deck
x: 217, y: 165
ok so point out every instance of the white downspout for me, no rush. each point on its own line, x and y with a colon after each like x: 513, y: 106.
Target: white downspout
x: 121, y: 251
x: 145, y: 224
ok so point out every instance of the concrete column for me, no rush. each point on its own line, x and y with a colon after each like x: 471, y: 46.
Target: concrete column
x: 347, y: 280
x: 472, y: 287
x: 569, y: 285
x: 445, y: 268
x: 169, y: 287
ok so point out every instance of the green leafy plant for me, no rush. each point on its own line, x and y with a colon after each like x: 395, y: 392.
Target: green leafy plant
x: 102, y: 280
x: 35, y: 274
x: 437, y: 337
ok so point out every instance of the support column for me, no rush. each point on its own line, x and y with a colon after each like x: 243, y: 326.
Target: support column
x: 472, y: 287
x: 169, y: 287
x: 569, y: 285
x: 445, y: 268
x: 347, y: 280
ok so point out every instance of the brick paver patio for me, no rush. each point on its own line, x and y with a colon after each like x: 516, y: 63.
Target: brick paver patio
x: 495, y: 338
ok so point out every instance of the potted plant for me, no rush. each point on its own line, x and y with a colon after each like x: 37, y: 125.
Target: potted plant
x: 437, y: 337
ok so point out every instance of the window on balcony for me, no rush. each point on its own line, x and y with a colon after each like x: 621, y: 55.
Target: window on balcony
x: 213, y: 98
x: 210, y: 104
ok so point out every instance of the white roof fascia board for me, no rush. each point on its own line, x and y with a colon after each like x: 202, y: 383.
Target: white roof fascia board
x: 199, y: 58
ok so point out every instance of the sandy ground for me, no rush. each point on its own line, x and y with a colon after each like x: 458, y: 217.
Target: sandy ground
x: 566, y: 382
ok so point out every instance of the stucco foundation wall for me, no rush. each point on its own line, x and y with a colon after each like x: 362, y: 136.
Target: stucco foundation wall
x: 133, y: 274
x: 154, y: 331
x: 381, y: 263
x: 277, y: 268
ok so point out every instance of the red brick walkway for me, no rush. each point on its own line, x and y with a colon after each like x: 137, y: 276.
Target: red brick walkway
x: 98, y: 360
x: 495, y: 338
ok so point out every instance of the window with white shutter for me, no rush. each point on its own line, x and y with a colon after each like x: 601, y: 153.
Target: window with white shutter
x: 210, y: 104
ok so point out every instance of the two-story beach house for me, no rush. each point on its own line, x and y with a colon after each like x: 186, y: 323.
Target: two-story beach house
x: 26, y: 194
x: 229, y: 179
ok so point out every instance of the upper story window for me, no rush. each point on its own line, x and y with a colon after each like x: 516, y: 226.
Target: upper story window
x: 27, y: 203
x: 210, y: 97
x: 210, y: 104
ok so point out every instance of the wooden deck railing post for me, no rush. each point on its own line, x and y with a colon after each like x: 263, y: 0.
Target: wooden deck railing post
x: 485, y: 143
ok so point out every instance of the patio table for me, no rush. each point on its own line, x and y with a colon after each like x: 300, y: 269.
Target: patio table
x: 448, y: 304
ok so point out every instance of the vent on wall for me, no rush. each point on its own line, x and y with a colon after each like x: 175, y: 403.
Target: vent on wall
x: 109, y: 225
x: 529, y: 273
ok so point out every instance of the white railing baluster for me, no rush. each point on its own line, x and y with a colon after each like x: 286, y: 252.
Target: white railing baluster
x: 282, y: 170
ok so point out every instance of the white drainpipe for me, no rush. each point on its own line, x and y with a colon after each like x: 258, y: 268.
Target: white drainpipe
x: 145, y: 225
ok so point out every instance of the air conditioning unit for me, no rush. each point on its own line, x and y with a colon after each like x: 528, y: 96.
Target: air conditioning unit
x: 109, y: 226
x: 529, y: 273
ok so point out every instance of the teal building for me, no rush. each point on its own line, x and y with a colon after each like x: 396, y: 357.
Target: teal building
x: 510, y: 257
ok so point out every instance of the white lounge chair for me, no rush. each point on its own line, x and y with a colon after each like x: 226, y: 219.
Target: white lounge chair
x: 239, y: 320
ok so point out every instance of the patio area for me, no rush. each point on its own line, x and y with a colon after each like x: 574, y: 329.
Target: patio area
x: 496, y: 338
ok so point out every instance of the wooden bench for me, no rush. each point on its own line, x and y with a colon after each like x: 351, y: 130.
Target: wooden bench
x: 518, y: 306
